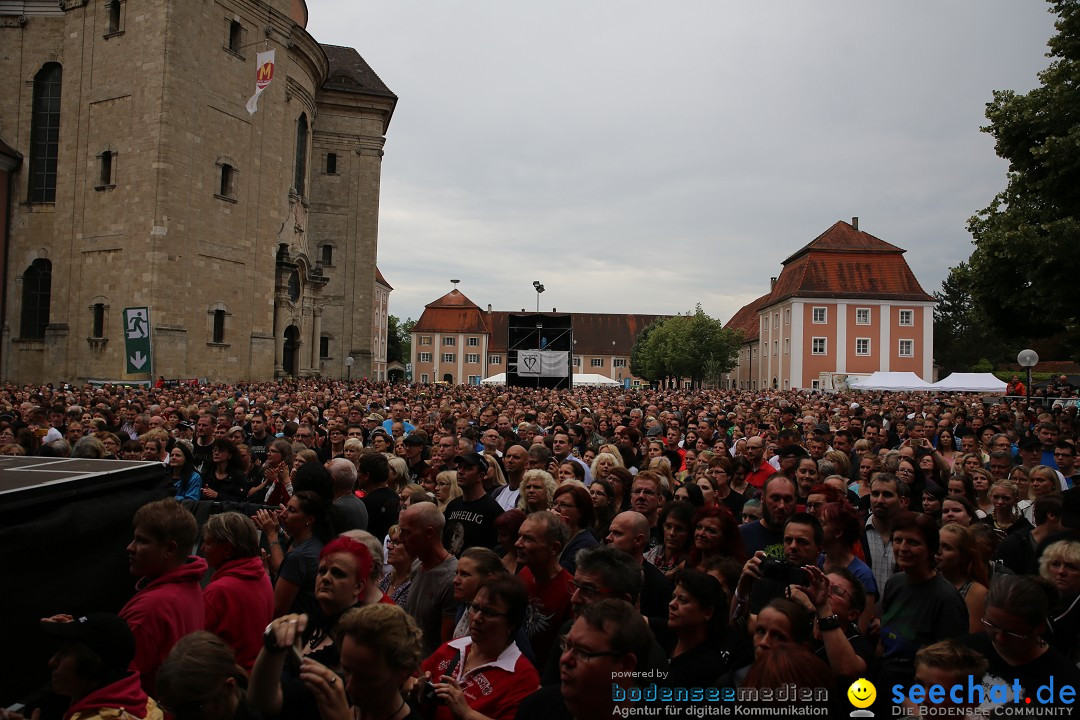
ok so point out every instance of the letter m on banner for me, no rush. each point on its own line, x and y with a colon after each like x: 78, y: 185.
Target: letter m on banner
x: 264, y: 73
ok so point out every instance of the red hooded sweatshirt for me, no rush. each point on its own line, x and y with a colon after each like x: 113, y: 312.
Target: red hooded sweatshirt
x: 239, y: 605
x: 164, y: 610
x: 124, y: 695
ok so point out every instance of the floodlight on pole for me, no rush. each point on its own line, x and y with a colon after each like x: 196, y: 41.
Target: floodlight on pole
x: 348, y: 367
x: 1028, y: 359
x: 539, y: 287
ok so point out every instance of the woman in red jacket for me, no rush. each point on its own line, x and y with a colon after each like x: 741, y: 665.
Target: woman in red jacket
x: 239, y: 600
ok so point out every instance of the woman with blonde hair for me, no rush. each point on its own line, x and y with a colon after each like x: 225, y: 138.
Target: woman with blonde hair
x: 1060, y: 564
x: 1005, y: 518
x: 446, y: 488
x: 960, y: 562
x: 603, y: 463
x: 537, y: 490
x: 399, y: 472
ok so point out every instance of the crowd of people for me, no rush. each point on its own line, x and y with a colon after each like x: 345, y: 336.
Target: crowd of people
x: 469, y: 552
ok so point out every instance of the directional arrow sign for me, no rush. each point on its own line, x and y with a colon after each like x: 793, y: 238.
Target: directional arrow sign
x: 137, y: 352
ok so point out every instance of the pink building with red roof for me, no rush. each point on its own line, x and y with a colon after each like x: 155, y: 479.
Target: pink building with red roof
x: 845, y: 304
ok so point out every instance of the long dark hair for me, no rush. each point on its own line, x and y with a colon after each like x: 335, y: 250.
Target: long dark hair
x: 188, y: 467
x: 314, y: 506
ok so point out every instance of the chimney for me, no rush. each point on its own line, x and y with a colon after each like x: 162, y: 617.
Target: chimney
x: 855, y: 222
x: 772, y: 283
x: 489, y: 308
x: 554, y: 310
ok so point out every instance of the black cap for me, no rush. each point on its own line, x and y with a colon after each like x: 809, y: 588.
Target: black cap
x: 107, y: 635
x: 416, y: 437
x: 792, y: 451
x: 472, y: 458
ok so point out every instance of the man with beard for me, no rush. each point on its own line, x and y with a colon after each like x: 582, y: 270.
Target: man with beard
x: 778, y: 505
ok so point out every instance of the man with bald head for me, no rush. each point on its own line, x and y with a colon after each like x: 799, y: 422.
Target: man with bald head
x: 755, y: 453
x: 431, y: 599
x: 629, y: 532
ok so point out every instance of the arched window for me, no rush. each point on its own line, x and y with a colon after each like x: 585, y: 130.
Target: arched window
x: 45, y: 133
x: 36, y: 296
x: 301, y: 154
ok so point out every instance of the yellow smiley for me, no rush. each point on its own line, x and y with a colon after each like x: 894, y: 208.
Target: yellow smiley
x: 862, y: 693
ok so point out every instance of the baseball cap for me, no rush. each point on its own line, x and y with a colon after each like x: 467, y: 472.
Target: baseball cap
x: 416, y: 437
x: 107, y: 635
x: 472, y: 458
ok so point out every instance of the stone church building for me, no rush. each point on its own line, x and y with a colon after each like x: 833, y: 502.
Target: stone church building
x: 135, y: 176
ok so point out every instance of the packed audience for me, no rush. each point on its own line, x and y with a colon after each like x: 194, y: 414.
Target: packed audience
x: 461, y: 553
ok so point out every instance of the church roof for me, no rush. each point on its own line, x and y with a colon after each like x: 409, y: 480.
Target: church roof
x: 351, y: 73
x: 381, y: 280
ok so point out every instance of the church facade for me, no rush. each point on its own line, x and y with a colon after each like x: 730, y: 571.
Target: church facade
x: 140, y: 179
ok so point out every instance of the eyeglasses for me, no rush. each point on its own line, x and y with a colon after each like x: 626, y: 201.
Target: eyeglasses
x: 581, y: 654
x: 838, y: 591
x: 487, y: 612
x: 587, y: 591
x: 991, y: 626
x: 565, y: 506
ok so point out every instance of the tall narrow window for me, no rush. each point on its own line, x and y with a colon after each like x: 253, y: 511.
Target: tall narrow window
x: 114, y: 16
x: 227, y: 174
x: 300, y: 173
x: 105, y: 169
x: 45, y: 133
x: 327, y: 254
x: 98, y: 328
x: 331, y: 163
x: 219, y: 326
x: 36, y: 296
x: 324, y: 347
x: 236, y: 35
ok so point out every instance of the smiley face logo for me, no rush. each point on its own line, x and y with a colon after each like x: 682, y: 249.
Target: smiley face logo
x: 862, y: 693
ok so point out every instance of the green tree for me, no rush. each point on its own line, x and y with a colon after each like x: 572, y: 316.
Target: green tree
x: 1025, y: 258
x: 399, y: 339
x: 692, y: 346
x: 962, y: 334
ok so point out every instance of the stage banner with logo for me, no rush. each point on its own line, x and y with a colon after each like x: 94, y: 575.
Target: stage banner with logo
x: 542, y: 363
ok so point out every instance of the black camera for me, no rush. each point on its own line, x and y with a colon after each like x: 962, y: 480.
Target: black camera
x: 780, y: 570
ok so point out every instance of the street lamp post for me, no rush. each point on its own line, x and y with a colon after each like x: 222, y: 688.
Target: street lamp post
x: 348, y: 367
x: 539, y: 287
x: 1028, y: 359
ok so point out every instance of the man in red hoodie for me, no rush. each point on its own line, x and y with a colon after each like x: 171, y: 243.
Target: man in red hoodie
x: 91, y: 668
x: 168, y: 602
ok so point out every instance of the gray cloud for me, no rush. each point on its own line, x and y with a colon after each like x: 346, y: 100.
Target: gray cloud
x: 642, y: 157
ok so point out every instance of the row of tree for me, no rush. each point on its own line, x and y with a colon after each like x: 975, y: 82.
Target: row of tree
x: 1016, y: 288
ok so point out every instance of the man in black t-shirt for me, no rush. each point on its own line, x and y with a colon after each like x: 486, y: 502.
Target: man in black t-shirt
x: 372, y: 474
x: 470, y: 519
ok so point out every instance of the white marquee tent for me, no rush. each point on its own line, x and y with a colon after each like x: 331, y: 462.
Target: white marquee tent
x: 592, y: 379
x: 971, y: 382
x: 896, y: 381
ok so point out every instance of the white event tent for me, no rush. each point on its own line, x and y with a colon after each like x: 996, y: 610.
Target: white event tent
x: 971, y: 382
x: 579, y: 379
x: 895, y: 381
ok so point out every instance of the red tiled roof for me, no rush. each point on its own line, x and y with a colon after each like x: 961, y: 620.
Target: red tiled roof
x: 380, y: 279
x: 452, y: 313
x: 593, y: 332
x: 844, y: 262
x: 747, y: 319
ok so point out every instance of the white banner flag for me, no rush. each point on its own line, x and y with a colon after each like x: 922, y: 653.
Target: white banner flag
x: 542, y: 363
x: 264, y: 73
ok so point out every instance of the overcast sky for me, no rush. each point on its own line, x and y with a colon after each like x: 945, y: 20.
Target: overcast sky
x: 646, y: 156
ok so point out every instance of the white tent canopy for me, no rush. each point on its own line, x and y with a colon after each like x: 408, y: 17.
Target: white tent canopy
x: 971, y: 382
x: 579, y: 379
x: 896, y: 381
x: 594, y: 379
